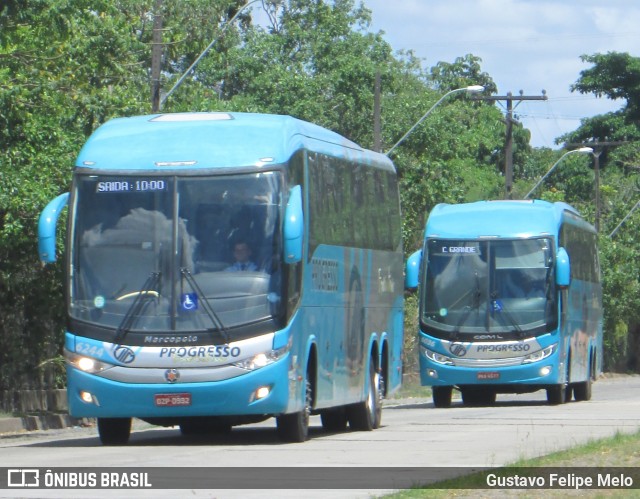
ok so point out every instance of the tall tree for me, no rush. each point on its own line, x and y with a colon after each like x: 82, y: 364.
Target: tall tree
x: 615, y: 76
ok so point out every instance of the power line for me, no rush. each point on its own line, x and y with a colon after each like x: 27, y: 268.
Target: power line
x: 508, y: 151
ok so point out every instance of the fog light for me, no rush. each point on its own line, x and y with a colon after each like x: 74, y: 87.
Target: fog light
x: 432, y: 373
x: 262, y: 392
x: 89, y: 398
x: 545, y: 371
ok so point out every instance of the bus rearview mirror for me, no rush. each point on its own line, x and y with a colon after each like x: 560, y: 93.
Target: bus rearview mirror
x: 293, y: 226
x: 47, y: 228
x: 412, y: 270
x: 563, y: 269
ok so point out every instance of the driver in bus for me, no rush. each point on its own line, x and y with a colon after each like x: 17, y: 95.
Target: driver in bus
x: 242, y: 255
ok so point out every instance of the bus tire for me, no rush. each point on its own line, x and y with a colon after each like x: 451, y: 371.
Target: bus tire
x: 367, y: 415
x: 294, y: 427
x: 557, y: 394
x: 114, y: 431
x: 441, y: 396
x: 582, y: 391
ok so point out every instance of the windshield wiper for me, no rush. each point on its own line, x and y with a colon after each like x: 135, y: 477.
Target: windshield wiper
x: 217, y: 323
x: 475, y: 305
x: 133, y: 312
x: 507, y: 313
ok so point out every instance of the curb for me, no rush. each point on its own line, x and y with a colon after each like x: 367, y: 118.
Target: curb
x: 43, y: 422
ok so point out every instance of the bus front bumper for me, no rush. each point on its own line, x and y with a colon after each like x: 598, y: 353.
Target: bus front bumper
x: 545, y: 372
x: 264, y: 391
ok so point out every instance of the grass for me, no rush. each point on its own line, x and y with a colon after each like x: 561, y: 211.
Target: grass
x: 618, y: 451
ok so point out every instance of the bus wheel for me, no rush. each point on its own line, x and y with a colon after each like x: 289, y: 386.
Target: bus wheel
x: 557, y: 394
x: 582, y: 391
x: 442, y: 396
x: 295, y: 427
x: 367, y: 415
x: 334, y: 419
x: 114, y: 431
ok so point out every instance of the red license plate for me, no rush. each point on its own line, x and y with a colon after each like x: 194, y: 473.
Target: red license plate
x: 488, y: 375
x: 172, y: 399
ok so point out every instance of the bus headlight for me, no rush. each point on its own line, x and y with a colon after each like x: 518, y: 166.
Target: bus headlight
x: 86, y: 364
x: 436, y: 357
x: 539, y: 355
x: 262, y: 359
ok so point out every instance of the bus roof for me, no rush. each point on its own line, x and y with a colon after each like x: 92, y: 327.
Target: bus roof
x: 508, y: 219
x: 212, y: 140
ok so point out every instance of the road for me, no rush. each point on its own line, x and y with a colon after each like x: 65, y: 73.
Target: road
x: 413, y: 434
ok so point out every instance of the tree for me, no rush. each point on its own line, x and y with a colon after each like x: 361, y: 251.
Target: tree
x: 64, y: 67
x: 615, y: 76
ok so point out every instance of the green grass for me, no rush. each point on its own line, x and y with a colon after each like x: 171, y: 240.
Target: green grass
x: 411, y: 388
x: 621, y: 450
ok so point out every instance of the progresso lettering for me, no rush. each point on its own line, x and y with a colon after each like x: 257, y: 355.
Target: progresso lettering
x: 518, y: 347
x: 214, y: 351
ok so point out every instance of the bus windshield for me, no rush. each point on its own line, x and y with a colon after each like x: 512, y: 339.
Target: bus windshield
x: 489, y: 287
x: 176, y: 254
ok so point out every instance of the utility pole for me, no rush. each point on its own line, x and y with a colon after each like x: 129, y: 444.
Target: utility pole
x: 598, y: 148
x: 377, y: 140
x: 156, y: 57
x: 508, y: 150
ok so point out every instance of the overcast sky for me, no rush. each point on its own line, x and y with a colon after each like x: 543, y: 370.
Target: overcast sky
x: 526, y: 45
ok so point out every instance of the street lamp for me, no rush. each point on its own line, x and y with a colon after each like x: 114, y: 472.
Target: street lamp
x: 583, y: 150
x: 472, y: 89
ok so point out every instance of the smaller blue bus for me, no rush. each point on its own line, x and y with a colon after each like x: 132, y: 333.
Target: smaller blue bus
x: 510, y: 301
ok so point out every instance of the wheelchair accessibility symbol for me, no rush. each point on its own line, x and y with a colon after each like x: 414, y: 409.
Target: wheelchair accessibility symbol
x: 188, y: 302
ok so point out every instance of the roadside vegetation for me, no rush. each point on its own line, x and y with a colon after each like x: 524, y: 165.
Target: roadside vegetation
x: 67, y: 66
x: 621, y: 450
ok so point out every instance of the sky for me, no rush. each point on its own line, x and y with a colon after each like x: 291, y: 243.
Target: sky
x: 527, y: 45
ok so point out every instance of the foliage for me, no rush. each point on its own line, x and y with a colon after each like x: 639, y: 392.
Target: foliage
x: 615, y: 75
x: 66, y: 66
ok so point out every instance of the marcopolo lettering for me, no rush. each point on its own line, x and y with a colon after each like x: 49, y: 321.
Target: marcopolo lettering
x: 171, y: 339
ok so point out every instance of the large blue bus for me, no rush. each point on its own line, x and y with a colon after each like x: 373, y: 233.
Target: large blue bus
x: 165, y: 325
x: 510, y: 301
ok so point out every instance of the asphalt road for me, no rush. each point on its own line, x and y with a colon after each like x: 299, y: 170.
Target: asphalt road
x: 413, y: 434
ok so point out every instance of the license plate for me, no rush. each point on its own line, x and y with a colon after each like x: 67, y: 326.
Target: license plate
x: 488, y: 375
x: 172, y: 399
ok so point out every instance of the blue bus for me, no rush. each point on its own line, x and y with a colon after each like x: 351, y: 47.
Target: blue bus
x: 510, y: 301
x: 224, y: 268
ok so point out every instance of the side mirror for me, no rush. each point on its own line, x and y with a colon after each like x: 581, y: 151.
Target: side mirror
x: 47, y: 228
x: 563, y: 269
x: 293, y: 226
x: 412, y: 270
